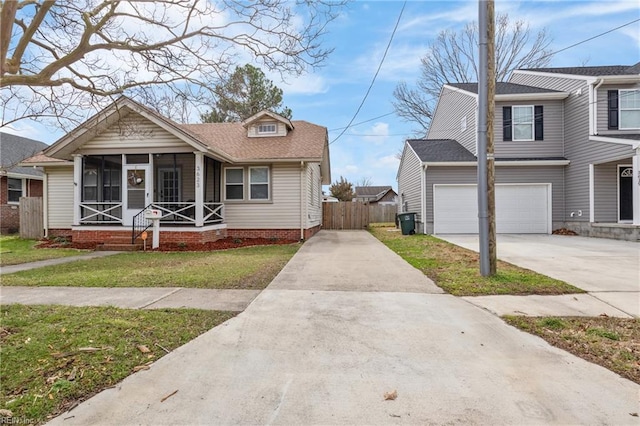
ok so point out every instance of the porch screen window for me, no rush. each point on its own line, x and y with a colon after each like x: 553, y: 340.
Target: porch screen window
x: 14, y: 190
x: 259, y: 183
x: 101, y: 179
x: 629, y: 109
x: 90, y: 184
x: 234, y: 184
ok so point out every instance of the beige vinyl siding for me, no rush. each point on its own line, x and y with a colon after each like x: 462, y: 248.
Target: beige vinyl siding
x: 409, y: 183
x: 133, y: 132
x: 504, y: 174
x: 552, y: 144
x: 281, y: 129
x: 60, y: 197
x: 314, y: 195
x: 446, y: 123
x: 602, y: 112
x: 283, y: 212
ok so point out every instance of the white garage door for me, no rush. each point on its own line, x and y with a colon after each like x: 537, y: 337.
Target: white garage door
x: 520, y: 209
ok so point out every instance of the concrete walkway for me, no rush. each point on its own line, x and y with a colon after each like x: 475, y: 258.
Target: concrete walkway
x: 345, y: 322
x: 609, y: 270
x: 10, y: 269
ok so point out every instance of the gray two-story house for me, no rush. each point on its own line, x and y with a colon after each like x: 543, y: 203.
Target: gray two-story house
x: 567, y: 155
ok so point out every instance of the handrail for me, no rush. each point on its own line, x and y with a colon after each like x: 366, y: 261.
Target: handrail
x: 140, y: 223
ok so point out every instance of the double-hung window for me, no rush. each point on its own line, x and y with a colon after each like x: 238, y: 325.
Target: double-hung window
x: 629, y: 109
x: 14, y: 189
x: 522, y: 123
x: 234, y: 184
x: 259, y: 183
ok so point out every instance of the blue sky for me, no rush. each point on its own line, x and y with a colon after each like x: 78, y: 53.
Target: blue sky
x: 330, y: 96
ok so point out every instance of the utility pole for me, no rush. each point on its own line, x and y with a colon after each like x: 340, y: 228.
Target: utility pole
x: 486, y: 160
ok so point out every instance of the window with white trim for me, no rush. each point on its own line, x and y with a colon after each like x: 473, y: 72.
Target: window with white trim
x: 15, y: 189
x: 267, y: 128
x: 234, y: 184
x: 523, y: 123
x: 629, y: 109
x: 258, y: 183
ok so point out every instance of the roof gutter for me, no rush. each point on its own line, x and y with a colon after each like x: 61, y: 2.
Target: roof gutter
x: 498, y: 163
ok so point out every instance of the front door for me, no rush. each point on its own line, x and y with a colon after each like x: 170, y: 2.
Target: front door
x: 625, y: 193
x: 137, y: 190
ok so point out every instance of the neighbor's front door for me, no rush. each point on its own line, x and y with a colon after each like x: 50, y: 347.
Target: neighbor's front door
x: 625, y: 193
x: 137, y: 190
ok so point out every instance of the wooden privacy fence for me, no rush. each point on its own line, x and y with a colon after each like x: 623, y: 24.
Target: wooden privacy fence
x: 31, y: 218
x: 355, y: 215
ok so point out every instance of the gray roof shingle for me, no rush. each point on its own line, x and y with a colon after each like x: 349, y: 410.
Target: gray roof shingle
x: 371, y: 191
x: 440, y: 150
x: 503, y: 88
x: 606, y: 70
x: 14, y: 149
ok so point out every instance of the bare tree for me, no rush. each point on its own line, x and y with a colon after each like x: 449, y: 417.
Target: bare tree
x: 60, y: 58
x: 364, y: 181
x: 453, y: 58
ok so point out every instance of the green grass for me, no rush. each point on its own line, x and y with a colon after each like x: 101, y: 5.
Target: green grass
x: 243, y: 268
x: 44, y: 370
x: 613, y: 343
x: 15, y: 250
x: 456, y: 270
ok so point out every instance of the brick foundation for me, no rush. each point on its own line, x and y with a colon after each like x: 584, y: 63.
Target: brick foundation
x: 285, y: 234
x: 186, y: 237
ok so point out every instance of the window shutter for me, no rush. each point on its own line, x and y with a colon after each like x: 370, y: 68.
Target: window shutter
x: 612, y: 97
x: 538, y: 123
x: 506, y: 123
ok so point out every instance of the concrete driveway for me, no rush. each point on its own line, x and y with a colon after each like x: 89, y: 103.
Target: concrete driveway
x: 608, y: 269
x: 346, y: 321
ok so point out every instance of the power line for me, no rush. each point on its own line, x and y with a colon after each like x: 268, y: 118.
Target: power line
x: 362, y: 122
x: 375, y: 75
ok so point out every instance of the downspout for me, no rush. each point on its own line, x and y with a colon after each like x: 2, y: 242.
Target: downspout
x: 593, y: 106
x: 423, y: 197
x: 45, y: 202
x: 302, y: 200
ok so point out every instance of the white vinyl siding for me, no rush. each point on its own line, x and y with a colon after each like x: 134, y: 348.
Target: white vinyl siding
x: 283, y: 212
x: 134, y: 133
x: 314, y: 195
x: 60, y: 197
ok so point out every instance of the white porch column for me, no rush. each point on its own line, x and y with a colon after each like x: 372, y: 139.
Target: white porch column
x: 199, y: 188
x: 77, y: 188
x: 635, y: 184
x: 592, y: 191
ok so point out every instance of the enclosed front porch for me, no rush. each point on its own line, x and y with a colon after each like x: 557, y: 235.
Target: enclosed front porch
x: 115, y: 190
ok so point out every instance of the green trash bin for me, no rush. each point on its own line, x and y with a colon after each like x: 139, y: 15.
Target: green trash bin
x: 407, y: 223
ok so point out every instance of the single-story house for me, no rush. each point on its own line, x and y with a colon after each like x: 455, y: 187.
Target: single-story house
x: 17, y: 181
x: 259, y: 178
x: 376, y: 195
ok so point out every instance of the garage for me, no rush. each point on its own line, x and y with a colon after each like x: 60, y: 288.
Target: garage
x: 520, y: 209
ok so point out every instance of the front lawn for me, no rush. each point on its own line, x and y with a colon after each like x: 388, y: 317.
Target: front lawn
x: 15, y: 250
x: 56, y: 356
x: 456, y: 269
x: 613, y: 343
x: 243, y: 268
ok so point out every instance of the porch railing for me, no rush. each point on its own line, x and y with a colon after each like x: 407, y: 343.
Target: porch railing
x: 100, y: 212
x: 213, y: 213
x: 179, y: 213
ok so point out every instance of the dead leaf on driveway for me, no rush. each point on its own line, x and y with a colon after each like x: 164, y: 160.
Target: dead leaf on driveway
x: 390, y: 396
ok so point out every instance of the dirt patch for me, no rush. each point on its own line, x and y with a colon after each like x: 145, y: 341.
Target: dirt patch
x: 564, y: 231
x: 222, y: 244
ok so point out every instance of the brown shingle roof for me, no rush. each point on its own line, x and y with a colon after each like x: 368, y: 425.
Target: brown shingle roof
x: 306, y: 140
x: 41, y: 158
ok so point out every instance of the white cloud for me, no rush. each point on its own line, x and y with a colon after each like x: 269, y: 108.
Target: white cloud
x: 307, y: 84
x: 377, y: 134
x: 388, y: 161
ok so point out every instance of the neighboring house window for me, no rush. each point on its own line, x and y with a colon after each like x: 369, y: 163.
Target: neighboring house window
x: 629, y: 109
x: 522, y: 123
x: 463, y: 124
x: 234, y: 184
x: 14, y: 190
x: 267, y: 128
x: 258, y: 183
